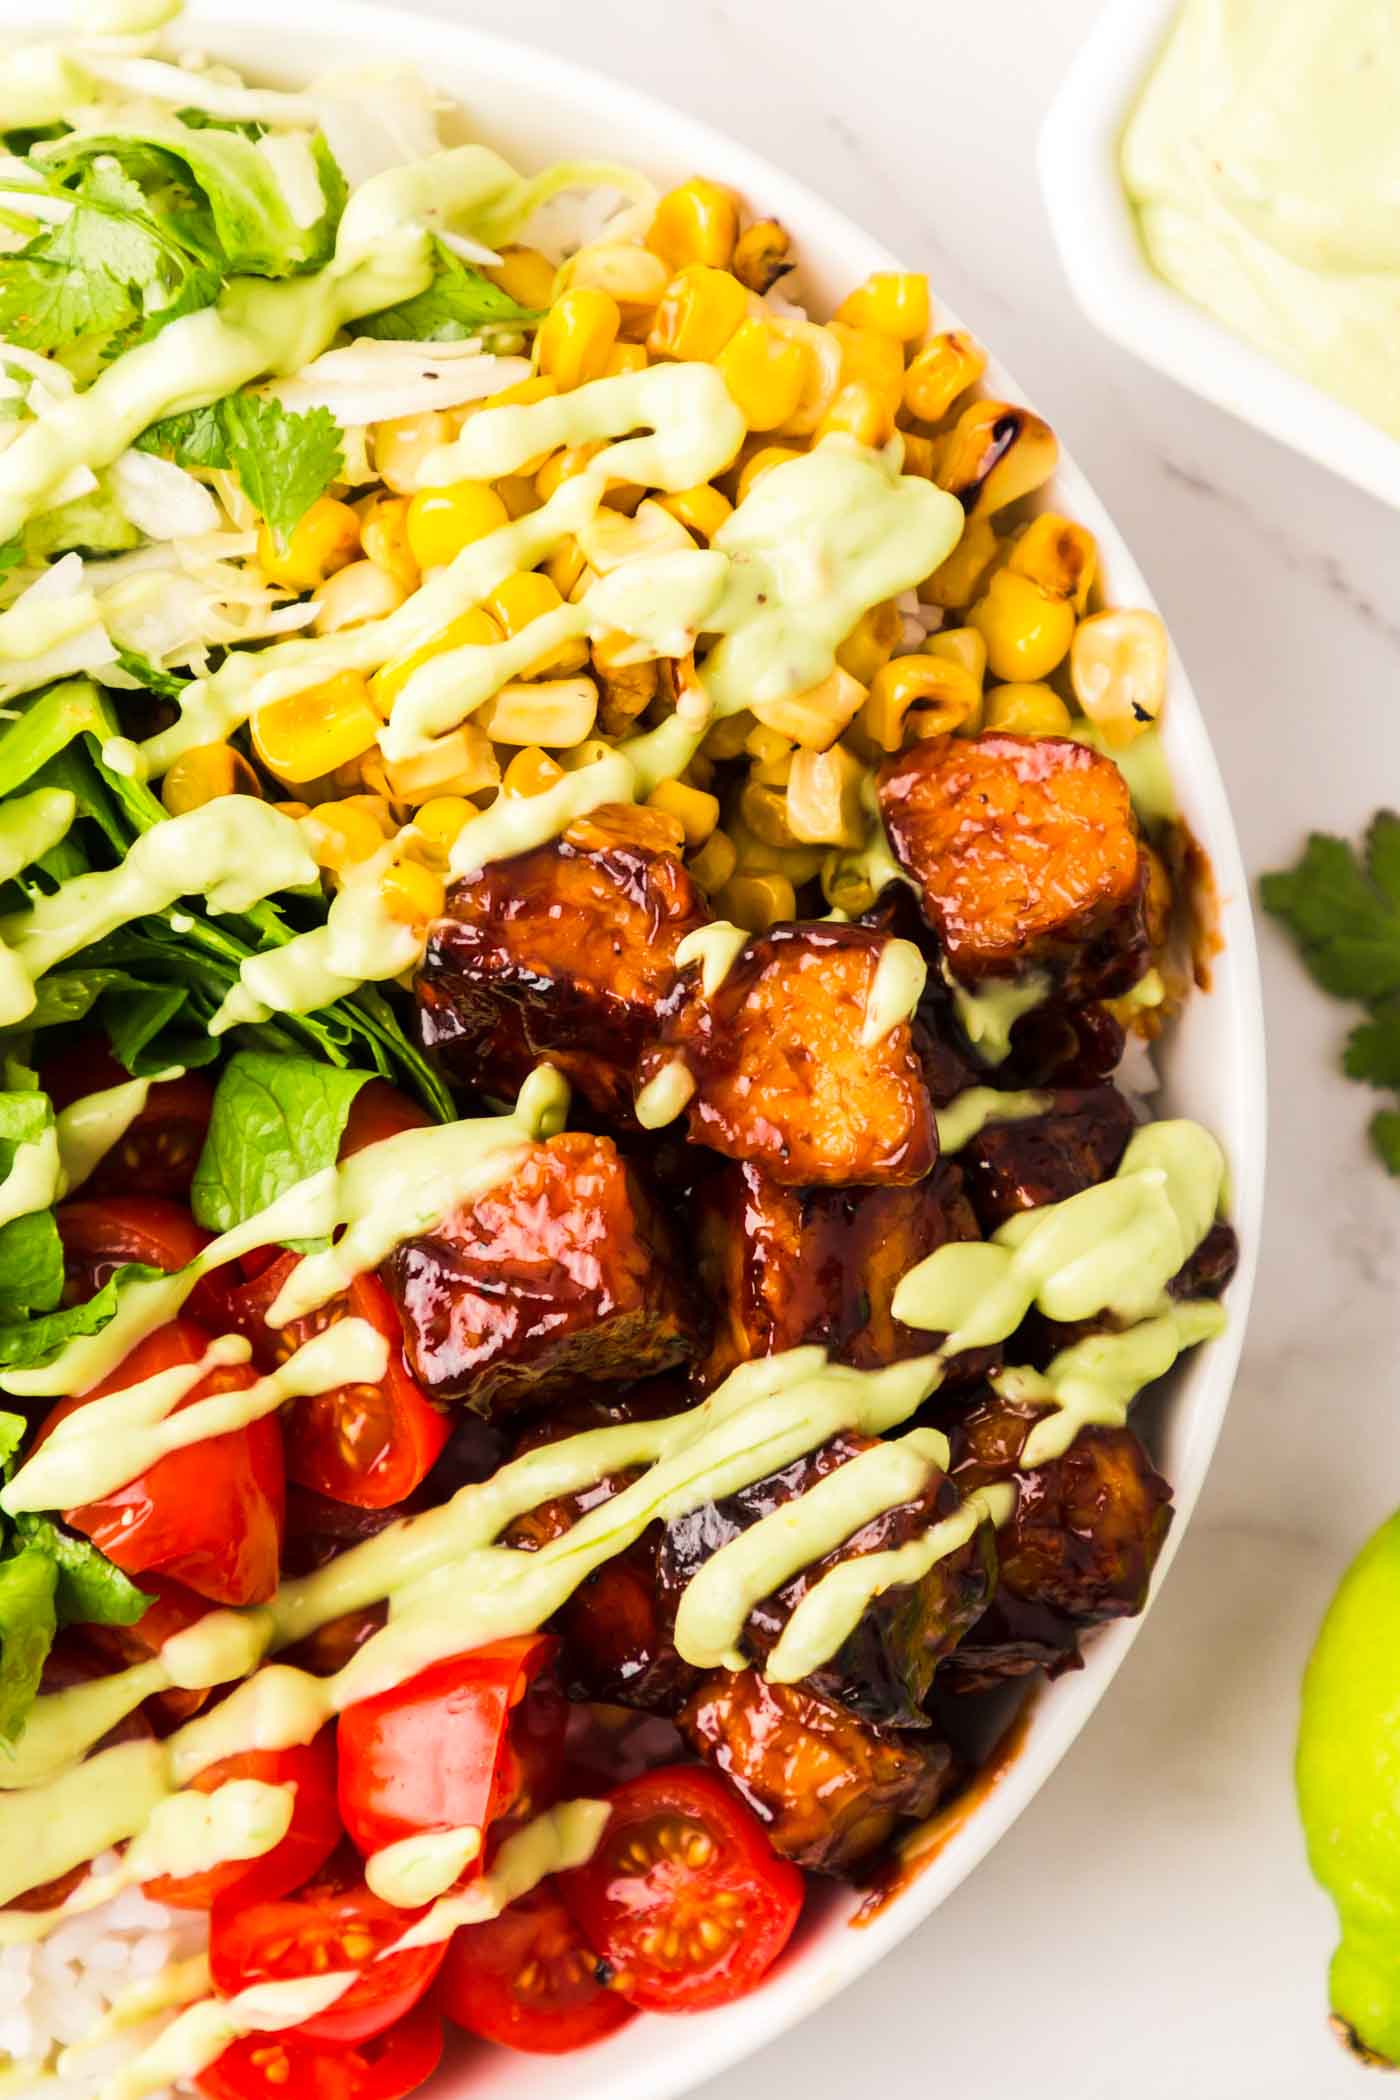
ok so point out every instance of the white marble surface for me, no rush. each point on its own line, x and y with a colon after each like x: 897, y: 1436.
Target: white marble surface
x: 1148, y: 1930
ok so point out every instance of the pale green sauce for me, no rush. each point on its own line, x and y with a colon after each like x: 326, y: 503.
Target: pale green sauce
x: 1143, y: 765
x: 988, y: 1010
x: 665, y: 1096
x: 968, y: 1114
x: 34, y: 1179
x: 894, y: 995
x: 1264, y: 162
x: 1097, y: 1380
x: 716, y: 947
x: 32, y: 825
x: 88, y: 1128
x: 420, y: 1868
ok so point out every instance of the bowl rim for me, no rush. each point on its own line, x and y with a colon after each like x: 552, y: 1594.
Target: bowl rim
x: 1096, y: 234
x: 642, y: 127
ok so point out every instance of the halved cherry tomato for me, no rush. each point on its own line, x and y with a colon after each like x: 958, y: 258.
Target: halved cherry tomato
x: 530, y: 1979
x: 379, y: 1111
x: 311, y: 1837
x: 157, y: 1154
x: 685, y: 1898
x: 465, y: 1742
x: 369, y: 1445
x: 100, y: 1238
x: 212, y: 1515
x: 278, y: 2067
x: 171, y: 1610
x: 335, y: 1922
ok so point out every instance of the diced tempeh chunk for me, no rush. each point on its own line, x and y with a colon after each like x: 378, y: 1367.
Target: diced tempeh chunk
x: 829, y: 1787
x: 783, y: 1266
x: 564, y: 953
x: 564, y: 1272
x: 781, y: 1073
x: 1043, y: 1159
x: 1025, y: 853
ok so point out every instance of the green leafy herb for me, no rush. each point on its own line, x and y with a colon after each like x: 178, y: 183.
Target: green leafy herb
x: 284, y: 461
x: 91, y: 1590
x: 275, y: 1121
x: 195, y: 439
x: 165, y: 684
x: 28, y: 1622
x: 460, y: 302
x: 1343, y: 911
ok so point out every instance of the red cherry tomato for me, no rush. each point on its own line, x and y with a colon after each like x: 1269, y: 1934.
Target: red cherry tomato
x: 311, y: 1837
x: 465, y: 1742
x: 335, y: 1922
x: 369, y: 1445
x: 157, y: 1154
x: 529, y: 1979
x: 212, y: 1515
x: 171, y: 1610
x: 685, y: 1898
x: 286, y: 2067
x: 100, y: 1238
x: 380, y: 1111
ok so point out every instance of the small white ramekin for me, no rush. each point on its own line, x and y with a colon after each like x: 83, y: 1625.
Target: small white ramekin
x: 1097, y: 238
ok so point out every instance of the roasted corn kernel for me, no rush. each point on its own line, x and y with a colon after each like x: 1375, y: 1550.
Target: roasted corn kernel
x: 961, y: 645
x: 713, y: 865
x: 698, y: 222
x: 892, y: 302
x: 873, y: 360
x: 441, y: 818
x: 763, y: 811
x: 524, y: 598
x: 945, y: 367
x: 1028, y: 708
x: 473, y: 629
x: 203, y: 775
x: 325, y: 540
x: 920, y: 454
x: 702, y: 510
x: 824, y: 805
x: 764, y: 372
x: 1118, y: 667
x: 1058, y: 555
x: 459, y: 763
x: 871, y: 642
x: 311, y: 733
x: 858, y: 412
x: 816, y: 717
x: 412, y: 894
x: 384, y: 537
x: 361, y: 592
x: 759, y: 463
x: 634, y: 276
x: 771, y: 753
x: 565, y: 567
x: 401, y: 446
x: 995, y: 454
x: 576, y: 336
x: 441, y: 522
x: 1027, y: 631
x: 699, y: 312
x: 956, y: 581
x: 944, y: 692
x: 525, y: 276
x: 530, y: 772
x: 757, y: 902
x: 553, y: 712
x: 762, y: 255
x: 821, y: 379
x: 349, y: 831
x: 696, y: 812
x: 625, y: 357
x: 565, y: 465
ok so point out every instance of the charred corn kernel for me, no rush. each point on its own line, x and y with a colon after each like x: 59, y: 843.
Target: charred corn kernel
x: 564, y: 466
x: 858, y: 412
x: 696, y: 812
x: 702, y: 308
x: 411, y: 893
x: 401, y: 446
x: 956, y: 582
x: 816, y: 717
x: 756, y: 467
x: 698, y: 222
x: 530, y: 772
x: 995, y: 454
x: 610, y: 539
x: 764, y: 811
x: 460, y: 763
x: 757, y: 902
x: 1059, y: 555
x: 713, y: 865
x: 1118, y: 668
x: 348, y: 831
x: 361, y: 592
x: 824, y: 805
x: 1027, y: 631
x: 384, y: 537
x: 576, y: 335
x: 553, y: 712
x: 764, y: 372
x: 892, y: 302
x: 312, y: 733
x: 870, y: 642
x: 624, y: 695
x: 702, y: 510
x: 441, y: 818
x: 288, y: 809
x: 528, y: 596
x: 519, y: 494
x: 625, y: 357
x: 727, y: 738
x: 756, y: 857
x: 441, y: 522
x: 945, y: 691
x: 325, y: 540
x: 873, y: 360
x: 821, y: 379
x: 771, y: 754
x: 523, y: 394
x: 634, y: 276
x: 202, y: 775
x: 960, y: 645
x: 471, y: 629
x: 1028, y: 708
x: 945, y: 367
x: 365, y: 775
x: 920, y: 454
x: 524, y: 275
x: 762, y: 254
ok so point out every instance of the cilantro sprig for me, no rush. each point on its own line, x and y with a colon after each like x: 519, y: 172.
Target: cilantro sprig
x: 1342, y: 908
x: 283, y: 460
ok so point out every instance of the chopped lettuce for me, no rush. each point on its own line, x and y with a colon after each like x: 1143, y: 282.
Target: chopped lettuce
x: 31, y: 1253
x: 91, y: 1590
x: 460, y: 302
x: 275, y: 1121
x: 28, y: 1623
x: 24, y: 1343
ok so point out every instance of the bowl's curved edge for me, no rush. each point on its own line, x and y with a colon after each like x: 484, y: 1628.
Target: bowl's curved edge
x: 703, y: 2046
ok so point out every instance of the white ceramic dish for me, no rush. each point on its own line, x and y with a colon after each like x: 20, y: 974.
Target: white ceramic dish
x: 536, y: 108
x: 1123, y: 296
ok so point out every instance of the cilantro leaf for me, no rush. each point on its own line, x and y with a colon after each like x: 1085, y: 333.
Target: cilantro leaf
x: 283, y: 460
x: 195, y: 439
x: 459, y: 302
x: 275, y: 1120
x: 1385, y: 1136
x: 1342, y: 912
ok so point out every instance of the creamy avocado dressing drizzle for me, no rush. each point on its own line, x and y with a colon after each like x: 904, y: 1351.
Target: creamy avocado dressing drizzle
x: 420, y: 1868
x: 967, y: 1115
x: 89, y: 1127
x: 894, y: 995
x: 1096, y: 1380
x: 988, y: 1010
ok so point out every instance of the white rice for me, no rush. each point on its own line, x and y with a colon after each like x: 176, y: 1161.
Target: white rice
x: 56, y: 1992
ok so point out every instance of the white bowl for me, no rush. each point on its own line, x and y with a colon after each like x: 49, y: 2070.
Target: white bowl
x: 1096, y: 233
x: 536, y: 108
